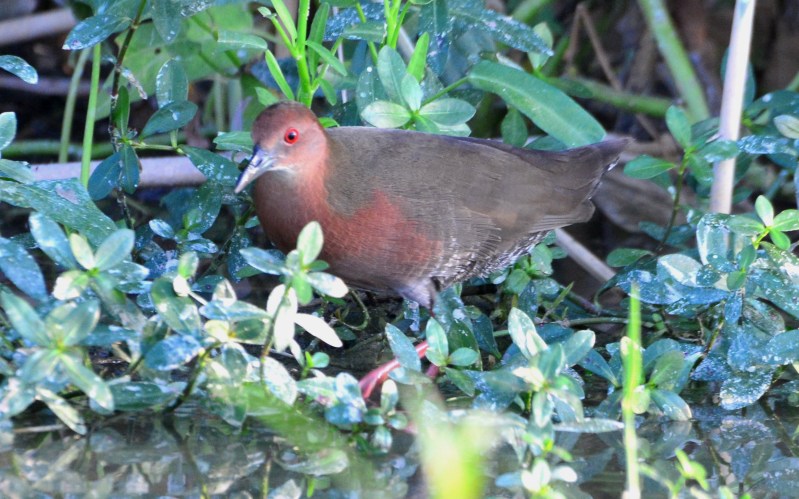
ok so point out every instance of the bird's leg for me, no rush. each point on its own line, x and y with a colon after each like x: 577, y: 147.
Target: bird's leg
x: 378, y: 375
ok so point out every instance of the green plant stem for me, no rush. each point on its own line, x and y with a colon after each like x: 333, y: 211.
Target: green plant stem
x: 305, y: 93
x: 91, y: 113
x: 675, y: 207
x: 69, y: 106
x: 123, y: 50
x: 585, y: 88
x: 673, y: 52
x: 633, y: 374
x: 362, y: 18
x: 446, y: 90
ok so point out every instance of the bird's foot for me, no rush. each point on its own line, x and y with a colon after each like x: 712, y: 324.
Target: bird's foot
x: 377, y: 376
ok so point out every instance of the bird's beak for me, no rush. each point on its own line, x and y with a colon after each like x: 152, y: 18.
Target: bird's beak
x: 261, y: 162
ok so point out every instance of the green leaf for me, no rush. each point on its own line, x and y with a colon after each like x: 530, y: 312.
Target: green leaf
x: 501, y: 28
x: 89, y: 383
x: 779, y: 239
x: 21, y: 269
x: 171, y: 84
x: 403, y: 349
x: 578, y: 346
x: 418, y: 59
x: 318, y: 327
x: 94, y: 30
x: 621, y: 257
x: 513, y: 128
x: 167, y: 18
x: 39, y: 365
x: 679, y: 126
x: 671, y: 404
x: 18, y: 67
x: 266, y: 98
x: 764, y: 210
x: 549, y: 108
x: 216, y: 168
x: 269, y: 262
x: 8, y: 129
x: 16, y: 171
x: 385, y: 114
x: 277, y: 74
x: 538, y: 59
x: 169, y: 117
x: 178, y: 312
x: 139, y: 395
x: 309, y: 242
x: 120, y: 114
x: 24, y: 319
x: 286, y: 19
x: 328, y: 57
x: 436, y: 339
x: 327, y: 284
x: 786, y: 221
x: 82, y: 251
x: 235, y: 40
x: 447, y: 111
x: 51, y: 240
x: 646, y: 166
x: 411, y: 92
x: 522, y: 331
x: 71, y: 323
x: 61, y: 408
x: 463, y: 357
x: 71, y: 284
x: 115, y: 249
x: 172, y: 353
x: 787, y: 125
x: 105, y: 176
x: 391, y: 70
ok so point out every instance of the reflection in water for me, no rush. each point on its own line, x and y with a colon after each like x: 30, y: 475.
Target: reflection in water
x: 188, y: 455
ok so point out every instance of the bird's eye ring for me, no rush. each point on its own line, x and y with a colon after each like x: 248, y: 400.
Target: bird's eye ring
x: 292, y: 136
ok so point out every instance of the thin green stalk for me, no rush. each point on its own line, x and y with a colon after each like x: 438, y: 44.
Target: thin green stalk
x: 577, y: 87
x: 673, y: 52
x: 675, y: 207
x: 305, y: 93
x: 446, y: 90
x: 91, y: 113
x: 633, y: 376
x: 362, y: 18
x: 69, y: 106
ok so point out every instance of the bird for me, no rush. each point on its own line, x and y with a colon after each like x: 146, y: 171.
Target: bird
x: 407, y: 213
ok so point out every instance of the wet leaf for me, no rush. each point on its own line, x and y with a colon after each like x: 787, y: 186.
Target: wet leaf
x: 549, y: 108
x: 169, y: 117
x: 309, y: 243
x: 179, y: 313
x: 89, y: 383
x: 403, y: 349
x: 279, y: 381
x: 115, y: 249
x: 385, y: 114
x: 20, y: 68
x: 671, y: 404
x: 94, y: 30
x: 645, y: 167
x: 21, y: 269
x: 61, y: 408
x: 522, y: 331
x: 744, y: 388
x: 172, y: 353
x: 139, y: 395
x: 8, y: 129
x: 448, y: 112
x: 24, y: 319
x: 319, y: 328
x: 235, y: 40
x: 171, y: 83
x: 679, y: 126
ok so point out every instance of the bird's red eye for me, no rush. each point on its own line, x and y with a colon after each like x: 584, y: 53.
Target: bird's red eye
x: 292, y: 135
